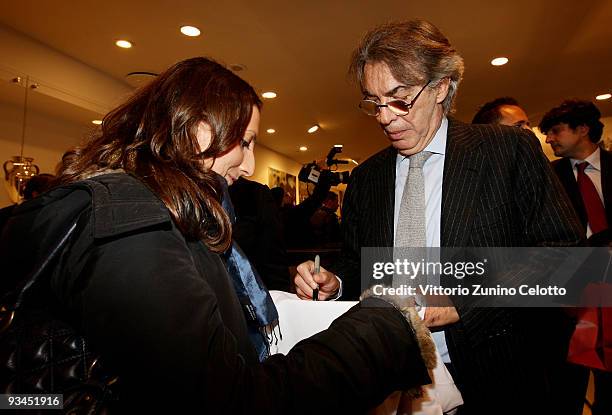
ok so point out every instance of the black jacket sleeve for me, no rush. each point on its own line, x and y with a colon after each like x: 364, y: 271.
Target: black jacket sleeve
x: 347, y: 266
x: 177, y: 338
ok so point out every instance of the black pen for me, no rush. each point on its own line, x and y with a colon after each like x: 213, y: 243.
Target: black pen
x: 317, y: 269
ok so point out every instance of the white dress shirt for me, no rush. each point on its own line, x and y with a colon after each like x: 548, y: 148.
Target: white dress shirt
x: 433, y: 170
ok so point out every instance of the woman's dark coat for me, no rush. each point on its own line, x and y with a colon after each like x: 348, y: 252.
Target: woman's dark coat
x: 162, y: 312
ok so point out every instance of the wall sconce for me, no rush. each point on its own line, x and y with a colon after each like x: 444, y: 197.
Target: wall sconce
x: 19, y: 169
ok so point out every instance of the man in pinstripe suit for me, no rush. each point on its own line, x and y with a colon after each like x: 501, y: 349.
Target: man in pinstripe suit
x: 484, y: 185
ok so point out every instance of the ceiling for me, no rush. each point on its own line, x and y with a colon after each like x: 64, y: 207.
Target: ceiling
x: 557, y: 49
x: 10, y: 93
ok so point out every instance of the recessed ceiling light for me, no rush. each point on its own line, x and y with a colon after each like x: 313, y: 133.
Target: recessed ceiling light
x: 139, y: 78
x: 190, y: 31
x: 313, y: 128
x: 269, y: 95
x: 499, y: 61
x: 603, y: 97
x: 123, y: 44
x: 237, y: 67
x: 303, y: 148
x: 97, y: 122
x: 270, y: 130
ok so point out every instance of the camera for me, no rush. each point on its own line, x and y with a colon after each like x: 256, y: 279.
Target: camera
x: 311, y: 173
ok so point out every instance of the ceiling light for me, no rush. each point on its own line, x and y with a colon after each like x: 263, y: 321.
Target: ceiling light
x: 270, y: 130
x: 603, y: 97
x: 269, y: 95
x: 338, y: 145
x: 237, y: 67
x: 303, y: 148
x: 499, y: 61
x: 140, y: 78
x: 190, y: 31
x: 97, y: 122
x: 354, y: 161
x: 313, y: 128
x: 123, y: 44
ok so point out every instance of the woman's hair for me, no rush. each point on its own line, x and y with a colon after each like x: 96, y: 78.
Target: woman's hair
x: 152, y: 136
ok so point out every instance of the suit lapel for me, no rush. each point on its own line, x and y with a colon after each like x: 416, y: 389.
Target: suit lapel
x: 566, y: 175
x: 463, y: 165
x: 384, y: 191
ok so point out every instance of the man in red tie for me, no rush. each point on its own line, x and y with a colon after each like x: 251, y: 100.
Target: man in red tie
x: 574, y: 130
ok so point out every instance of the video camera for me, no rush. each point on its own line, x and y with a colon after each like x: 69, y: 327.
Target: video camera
x: 311, y: 173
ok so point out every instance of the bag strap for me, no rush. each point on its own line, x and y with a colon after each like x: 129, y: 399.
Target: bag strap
x: 24, y: 287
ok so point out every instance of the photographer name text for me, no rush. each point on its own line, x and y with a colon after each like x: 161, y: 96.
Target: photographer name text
x: 475, y: 289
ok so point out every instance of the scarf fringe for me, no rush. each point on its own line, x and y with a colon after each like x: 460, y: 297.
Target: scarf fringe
x: 271, y: 333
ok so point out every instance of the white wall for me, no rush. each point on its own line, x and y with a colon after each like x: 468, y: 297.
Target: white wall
x: 57, y: 74
x: 265, y: 157
x: 60, y: 78
x: 47, y: 139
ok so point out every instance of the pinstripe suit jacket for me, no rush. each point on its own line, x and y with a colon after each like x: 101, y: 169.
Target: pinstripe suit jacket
x: 563, y: 168
x: 498, y: 190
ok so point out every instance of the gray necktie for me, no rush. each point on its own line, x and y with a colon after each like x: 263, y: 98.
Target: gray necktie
x: 410, y: 230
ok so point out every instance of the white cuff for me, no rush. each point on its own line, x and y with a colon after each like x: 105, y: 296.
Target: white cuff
x: 339, y: 292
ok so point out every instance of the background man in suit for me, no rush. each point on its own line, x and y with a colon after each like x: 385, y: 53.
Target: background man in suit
x: 503, y: 111
x: 258, y: 231
x: 574, y: 130
x: 484, y: 185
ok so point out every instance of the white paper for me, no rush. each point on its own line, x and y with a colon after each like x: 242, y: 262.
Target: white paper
x: 301, y: 319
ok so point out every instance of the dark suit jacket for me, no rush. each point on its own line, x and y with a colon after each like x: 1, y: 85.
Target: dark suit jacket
x: 498, y: 191
x: 563, y: 168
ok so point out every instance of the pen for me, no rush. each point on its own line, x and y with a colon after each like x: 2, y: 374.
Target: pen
x: 317, y: 269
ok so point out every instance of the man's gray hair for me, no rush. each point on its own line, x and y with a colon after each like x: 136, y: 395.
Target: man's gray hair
x: 415, y: 51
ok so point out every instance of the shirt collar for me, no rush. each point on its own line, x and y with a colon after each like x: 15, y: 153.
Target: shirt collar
x: 438, y: 143
x: 593, y: 159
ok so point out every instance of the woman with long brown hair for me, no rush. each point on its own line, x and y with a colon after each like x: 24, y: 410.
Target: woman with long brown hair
x: 144, y: 276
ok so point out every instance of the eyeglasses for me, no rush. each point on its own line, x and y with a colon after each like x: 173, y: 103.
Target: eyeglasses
x: 397, y: 106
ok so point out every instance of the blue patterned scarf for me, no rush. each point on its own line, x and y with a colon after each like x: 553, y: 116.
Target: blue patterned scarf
x: 259, y: 310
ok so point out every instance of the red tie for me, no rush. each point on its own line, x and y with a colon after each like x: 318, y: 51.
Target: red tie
x: 596, y: 213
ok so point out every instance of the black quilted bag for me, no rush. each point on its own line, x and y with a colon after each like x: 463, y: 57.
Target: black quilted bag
x: 41, y: 353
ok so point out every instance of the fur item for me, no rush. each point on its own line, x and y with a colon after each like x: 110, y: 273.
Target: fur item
x: 406, y: 306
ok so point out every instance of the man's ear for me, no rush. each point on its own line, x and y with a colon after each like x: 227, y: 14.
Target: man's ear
x: 583, y: 130
x: 442, y: 87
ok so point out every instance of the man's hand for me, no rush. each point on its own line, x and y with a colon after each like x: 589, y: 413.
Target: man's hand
x: 306, y: 282
x: 440, y: 316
